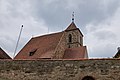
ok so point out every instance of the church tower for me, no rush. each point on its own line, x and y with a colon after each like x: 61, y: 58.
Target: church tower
x: 74, y: 37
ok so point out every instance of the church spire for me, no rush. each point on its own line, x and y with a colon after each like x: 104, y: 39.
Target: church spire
x: 73, y: 17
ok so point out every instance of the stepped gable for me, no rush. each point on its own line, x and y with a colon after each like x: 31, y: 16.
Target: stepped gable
x: 3, y: 54
x: 40, y: 47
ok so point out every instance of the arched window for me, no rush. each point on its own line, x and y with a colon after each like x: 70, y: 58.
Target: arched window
x: 70, y: 38
x: 88, y: 78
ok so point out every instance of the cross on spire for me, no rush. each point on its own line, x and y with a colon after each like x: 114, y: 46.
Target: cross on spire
x: 73, y: 17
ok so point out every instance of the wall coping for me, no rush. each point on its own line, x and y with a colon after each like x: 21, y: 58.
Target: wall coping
x: 59, y: 59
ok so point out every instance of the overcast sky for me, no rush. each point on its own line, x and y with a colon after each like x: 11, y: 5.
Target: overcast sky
x: 99, y: 21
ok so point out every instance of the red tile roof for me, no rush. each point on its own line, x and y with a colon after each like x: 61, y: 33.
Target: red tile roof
x: 76, y: 53
x: 3, y: 54
x: 44, y: 46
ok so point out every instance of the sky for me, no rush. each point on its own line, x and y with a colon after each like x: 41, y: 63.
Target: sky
x: 98, y: 20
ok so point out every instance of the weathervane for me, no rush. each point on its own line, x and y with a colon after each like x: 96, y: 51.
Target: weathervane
x: 73, y: 17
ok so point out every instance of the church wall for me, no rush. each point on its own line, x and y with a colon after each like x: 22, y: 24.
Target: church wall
x: 60, y: 48
x: 75, y: 38
x: 74, y: 45
x: 99, y: 69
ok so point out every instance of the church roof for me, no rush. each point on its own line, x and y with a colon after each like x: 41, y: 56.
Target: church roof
x: 3, y: 54
x: 40, y: 47
x: 44, y: 47
x: 72, y: 27
x: 76, y: 53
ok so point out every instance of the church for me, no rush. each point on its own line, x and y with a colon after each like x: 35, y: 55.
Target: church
x: 58, y: 56
x: 67, y: 44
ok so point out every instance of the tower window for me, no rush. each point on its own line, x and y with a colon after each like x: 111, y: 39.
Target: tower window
x: 70, y: 38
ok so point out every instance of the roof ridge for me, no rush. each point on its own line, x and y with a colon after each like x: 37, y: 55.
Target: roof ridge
x: 48, y: 34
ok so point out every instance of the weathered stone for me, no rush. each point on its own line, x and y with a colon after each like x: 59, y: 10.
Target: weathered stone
x: 101, y: 69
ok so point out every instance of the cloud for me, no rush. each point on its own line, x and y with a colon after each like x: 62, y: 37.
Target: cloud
x: 12, y: 15
x: 86, y: 11
x: 104, y: 39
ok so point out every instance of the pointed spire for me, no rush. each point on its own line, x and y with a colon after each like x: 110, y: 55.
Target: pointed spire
x: 73, y: 17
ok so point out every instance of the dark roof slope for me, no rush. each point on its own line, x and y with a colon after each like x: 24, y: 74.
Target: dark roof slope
x: 40, y: 47
x: 3, y: 54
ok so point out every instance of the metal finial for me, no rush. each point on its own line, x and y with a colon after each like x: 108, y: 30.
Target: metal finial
x: 73, y: 17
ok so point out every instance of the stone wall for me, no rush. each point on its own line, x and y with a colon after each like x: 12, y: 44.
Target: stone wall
x: 99, y: 69
x: 77, y: 39
x: 60, y: 48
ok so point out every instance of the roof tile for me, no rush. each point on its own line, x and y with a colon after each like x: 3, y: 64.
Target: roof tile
x: 74, y: 53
